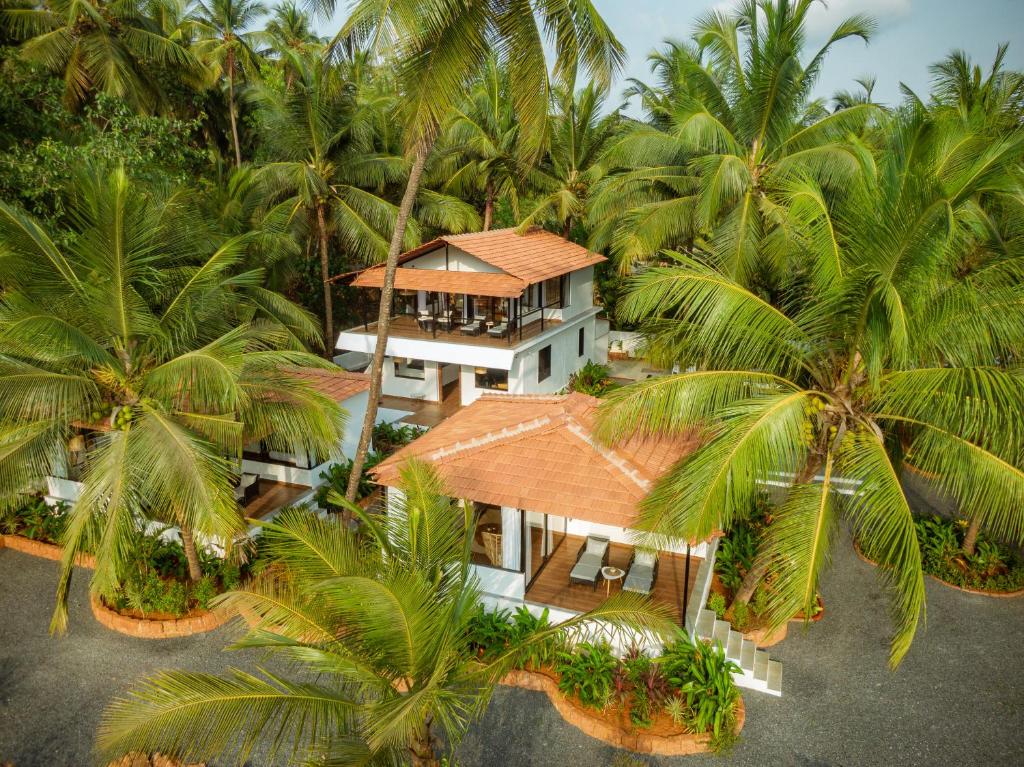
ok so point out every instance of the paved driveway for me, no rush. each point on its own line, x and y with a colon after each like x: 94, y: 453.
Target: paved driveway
x: 958, y: 699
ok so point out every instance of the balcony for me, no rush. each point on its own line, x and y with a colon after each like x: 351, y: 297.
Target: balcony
x: 406, y: 326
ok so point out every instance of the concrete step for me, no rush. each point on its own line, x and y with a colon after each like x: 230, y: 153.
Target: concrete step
x: 721, y: 631
x: 761, y: 660
x: 747, y: 650
x: 733, y: 645
x: 774, y: 677
x: 705, y: 623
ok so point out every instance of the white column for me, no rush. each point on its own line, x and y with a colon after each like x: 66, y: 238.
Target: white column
x: 511, y: 537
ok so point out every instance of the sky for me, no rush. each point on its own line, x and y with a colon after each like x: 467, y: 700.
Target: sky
x: 911, y: 35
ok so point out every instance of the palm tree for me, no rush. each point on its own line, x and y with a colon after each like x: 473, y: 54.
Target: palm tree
x: 994, y: 100
x: 376, y: 633
x: 228, y: 50
x: 331, y: 174
x: 479, y: 152
x: 98, y: 46
x: 440, y: 46
x: 289, y: 30
x: 898, y: 342
x: 580, y: 135
x: 729, y: 123
x: 142, y: 333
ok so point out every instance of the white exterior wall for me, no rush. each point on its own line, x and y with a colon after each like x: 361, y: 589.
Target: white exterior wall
x: 412, y: 388
x: 60, y: 489
x: 625, y: 535
x: 565, y: 359
x: 505, y: 584
x: 458, y: 261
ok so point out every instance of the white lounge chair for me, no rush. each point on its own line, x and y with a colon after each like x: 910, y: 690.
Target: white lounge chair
x: 499, y: 330
x: 641, y: 572
x: 592, y: 556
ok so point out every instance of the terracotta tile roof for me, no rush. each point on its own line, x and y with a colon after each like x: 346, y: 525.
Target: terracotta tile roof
x: 532, y: 257
x: 441, y: 281
x: 539, y: 453
x: 339, y: 385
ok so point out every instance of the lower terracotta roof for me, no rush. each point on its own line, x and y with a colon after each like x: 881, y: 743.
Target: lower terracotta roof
x: 539, y: 454
x: 443, y: 281
x: 339, y: 385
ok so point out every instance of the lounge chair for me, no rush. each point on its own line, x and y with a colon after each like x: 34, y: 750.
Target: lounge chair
x: 247, y: 489
x: 499, y: 330
x: 471, y: 328
x: 641, y: 572
x: 592, y: 556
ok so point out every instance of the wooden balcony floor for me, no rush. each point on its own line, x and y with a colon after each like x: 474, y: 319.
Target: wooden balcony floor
x: 404, y: 326
x: 273, y: 495
x: 552, y: 586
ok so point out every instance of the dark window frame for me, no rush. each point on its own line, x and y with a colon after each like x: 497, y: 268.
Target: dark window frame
x: 480, y: 379
x: 544, y: 368
x: 422, y: 368
x: 581, y: 343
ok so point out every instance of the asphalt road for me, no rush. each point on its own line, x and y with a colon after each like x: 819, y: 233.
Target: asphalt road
x: 956, y: 700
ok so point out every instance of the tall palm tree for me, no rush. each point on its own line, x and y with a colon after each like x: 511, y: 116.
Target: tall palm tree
x: 289, y: 30
x: 900, y: 343
x: 377, y: 633
x: 227, y: 46
x: 440, y: 46
x: 994, y: 100
x: 142, y: 332
x: 98, y: 46
x: 730, y: 121
x: 479, y: 152
x: 580, y: 135
x: 331, y: 173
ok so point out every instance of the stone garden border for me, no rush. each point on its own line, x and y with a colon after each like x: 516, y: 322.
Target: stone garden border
x: 44, y: 550
x: 966, y: 589
x: 601, y: 728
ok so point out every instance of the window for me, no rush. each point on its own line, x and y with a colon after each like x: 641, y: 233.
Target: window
x: 544, y: 364
x: 409, y: 368
x: 489, y: 378
x: 564, y: 288
x: 553, y: 293
x: 580, y: 343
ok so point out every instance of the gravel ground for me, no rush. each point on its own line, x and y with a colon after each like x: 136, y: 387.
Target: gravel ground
x: 956, y: 700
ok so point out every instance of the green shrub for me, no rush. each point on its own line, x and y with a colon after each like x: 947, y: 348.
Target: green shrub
x: 387, y: 438
x: 716, y: 603
x: 587, y: 671
x: 336, y: 476
x: 489, y: 631
x: 992, y: 567
x: 592, y: 379
x: 735, y: 556
x: 38, y: 520
x: 702, y: 676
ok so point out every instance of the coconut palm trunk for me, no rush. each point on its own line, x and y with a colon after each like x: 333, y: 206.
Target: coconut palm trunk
x: 325, y: 274
x: 195, y: 571
x: 756, y: 573
x: 231, y: 108
x: 489, y: 206
x: 971, y: 536
x: 422, y: 749
x: 384, y: 317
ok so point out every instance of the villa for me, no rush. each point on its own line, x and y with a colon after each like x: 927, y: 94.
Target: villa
x: 492, y: 311
x: 268, y: 480
x: 555, y: 514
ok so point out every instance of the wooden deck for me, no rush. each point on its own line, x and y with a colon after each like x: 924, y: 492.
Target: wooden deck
x: 273, y: 495
x: 551, y: 587
x: 424, y: 413
x: 404, y: 326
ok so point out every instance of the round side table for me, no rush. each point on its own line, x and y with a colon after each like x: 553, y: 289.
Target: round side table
x: 610, y: 574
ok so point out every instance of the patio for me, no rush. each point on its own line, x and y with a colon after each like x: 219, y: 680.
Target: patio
x: 551, y: 585
x: 272, y: 496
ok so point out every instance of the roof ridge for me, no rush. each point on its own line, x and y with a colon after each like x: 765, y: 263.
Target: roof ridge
x: 623, y: 464
x: 490, y: 438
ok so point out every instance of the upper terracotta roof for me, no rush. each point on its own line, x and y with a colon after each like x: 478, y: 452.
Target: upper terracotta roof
x: 339, y: 385
x: 442, y: 281
x: 532, y: 257
x: 539, y: 454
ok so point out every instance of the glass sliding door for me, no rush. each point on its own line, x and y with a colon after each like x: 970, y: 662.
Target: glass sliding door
x: 545, y: 534
x: 497, y: 537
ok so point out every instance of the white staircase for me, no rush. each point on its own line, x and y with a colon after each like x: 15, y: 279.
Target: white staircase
x: 757, y: 670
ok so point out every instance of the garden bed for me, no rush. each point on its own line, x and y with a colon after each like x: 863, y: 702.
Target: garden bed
x: 754, y: 629
x: 612, y: 726
x: 999, y: 594
x: 43, y: 549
